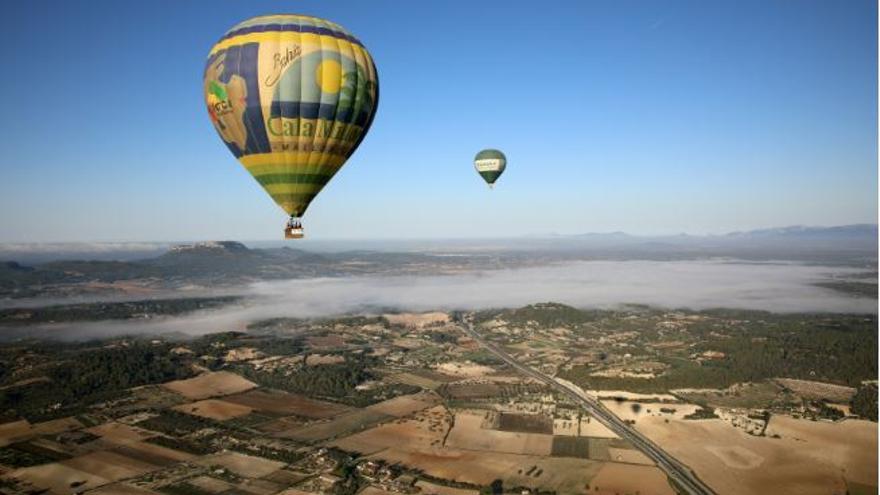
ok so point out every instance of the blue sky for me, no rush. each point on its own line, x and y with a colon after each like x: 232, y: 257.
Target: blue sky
x: 643, y: 116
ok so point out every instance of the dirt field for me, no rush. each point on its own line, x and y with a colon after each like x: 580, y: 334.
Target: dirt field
x: 56, y: 426
x: 282, y: 403
x: 120, y: 433
x: 109, y: 465
x: 211, y: 384
x: 471, y: 390
x: 638, y: 411
x: 577, y: 447
x: 212, y: 485
x: 121, y: 489
x: 468, y: 434
x: 592, y: 428
x: 809, y: 458
x: 48, y: 447
x: 615, y: 478
x: 405, y: 405
x: 432, y: 489
x: 557, y: 474
x: 565, y: 427
x: 628, y: 456
x: 341, y: 425
x: 736, y: 456
x: 14, y: 432
x: 215, y: 409
x: 464, y: 369
x: 850, y: 444
x: 242, y: 354
x: 319, y: 359
x: 818, y: 390
x: 742, y: 395
x: 281, y: 425
x: 428, y: 380
x: 17, y: 431
x: 611, y: 394
x: 57, y: 477
x: 286, y: 477
x: 154, y: 454
x: 526, y: 423
x: 242, y: 465
x: 423, y: 430
x: 258, y: 487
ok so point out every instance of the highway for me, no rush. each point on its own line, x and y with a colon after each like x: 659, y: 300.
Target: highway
x: 685, y: 480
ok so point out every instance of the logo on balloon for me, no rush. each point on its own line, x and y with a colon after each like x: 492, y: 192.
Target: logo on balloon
x: 226, y: 103
x: 218, y: 101
x: 280, y: 62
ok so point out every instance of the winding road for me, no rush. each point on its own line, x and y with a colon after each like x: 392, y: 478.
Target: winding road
x: 683, y: 478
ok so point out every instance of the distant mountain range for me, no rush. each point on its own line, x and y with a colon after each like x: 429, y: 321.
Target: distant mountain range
x: 859, y: 230
x: 826, y: 244
x: 229, y: 263
x: 212, y: 265
x: 121, y: 251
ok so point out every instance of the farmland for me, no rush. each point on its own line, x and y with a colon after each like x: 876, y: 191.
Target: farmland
x: 801, y: 460
x: 210, y: 385
x: 300, y: 407
x: 340, y: 425
x: 281, y: 403
x: 215, y: 409
x: 219, y: 425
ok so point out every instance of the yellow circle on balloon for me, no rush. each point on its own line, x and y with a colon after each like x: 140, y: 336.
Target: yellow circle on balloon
x: 329, y: 76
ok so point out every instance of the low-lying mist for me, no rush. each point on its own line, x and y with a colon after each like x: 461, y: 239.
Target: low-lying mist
x: 777, y: 287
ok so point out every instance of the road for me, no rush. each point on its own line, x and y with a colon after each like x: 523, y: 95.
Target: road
x: 685, y: 480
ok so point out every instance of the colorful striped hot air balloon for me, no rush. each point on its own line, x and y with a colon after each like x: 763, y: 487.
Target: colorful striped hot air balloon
x: 292, y: 96
x: 490, y: 164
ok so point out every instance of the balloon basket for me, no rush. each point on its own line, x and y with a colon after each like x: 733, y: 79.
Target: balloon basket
x: 293, y: 234
x: 293, y: 229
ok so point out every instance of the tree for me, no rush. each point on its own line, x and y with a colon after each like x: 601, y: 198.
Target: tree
x: 864, y: 402
x: 494, y: 488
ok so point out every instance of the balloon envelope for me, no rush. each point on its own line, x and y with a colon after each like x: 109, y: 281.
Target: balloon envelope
x: 292, y: 97
x: 490, y: 164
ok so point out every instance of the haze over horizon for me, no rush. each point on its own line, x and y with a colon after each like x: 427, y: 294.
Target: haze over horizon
x: 146, y: 244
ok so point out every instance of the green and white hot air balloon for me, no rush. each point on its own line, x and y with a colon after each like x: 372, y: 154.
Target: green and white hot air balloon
x: 490, y: 165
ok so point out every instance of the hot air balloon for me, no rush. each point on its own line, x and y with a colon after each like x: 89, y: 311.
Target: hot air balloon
x: 292, y: 96
x: 490, y: 165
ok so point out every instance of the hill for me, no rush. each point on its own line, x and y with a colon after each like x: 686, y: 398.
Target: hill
x: 229, y: 263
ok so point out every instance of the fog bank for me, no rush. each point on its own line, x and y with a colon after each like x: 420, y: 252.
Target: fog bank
x: 777, y: 287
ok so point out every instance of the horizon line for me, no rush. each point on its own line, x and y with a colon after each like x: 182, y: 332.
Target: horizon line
x: 531, y: 236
